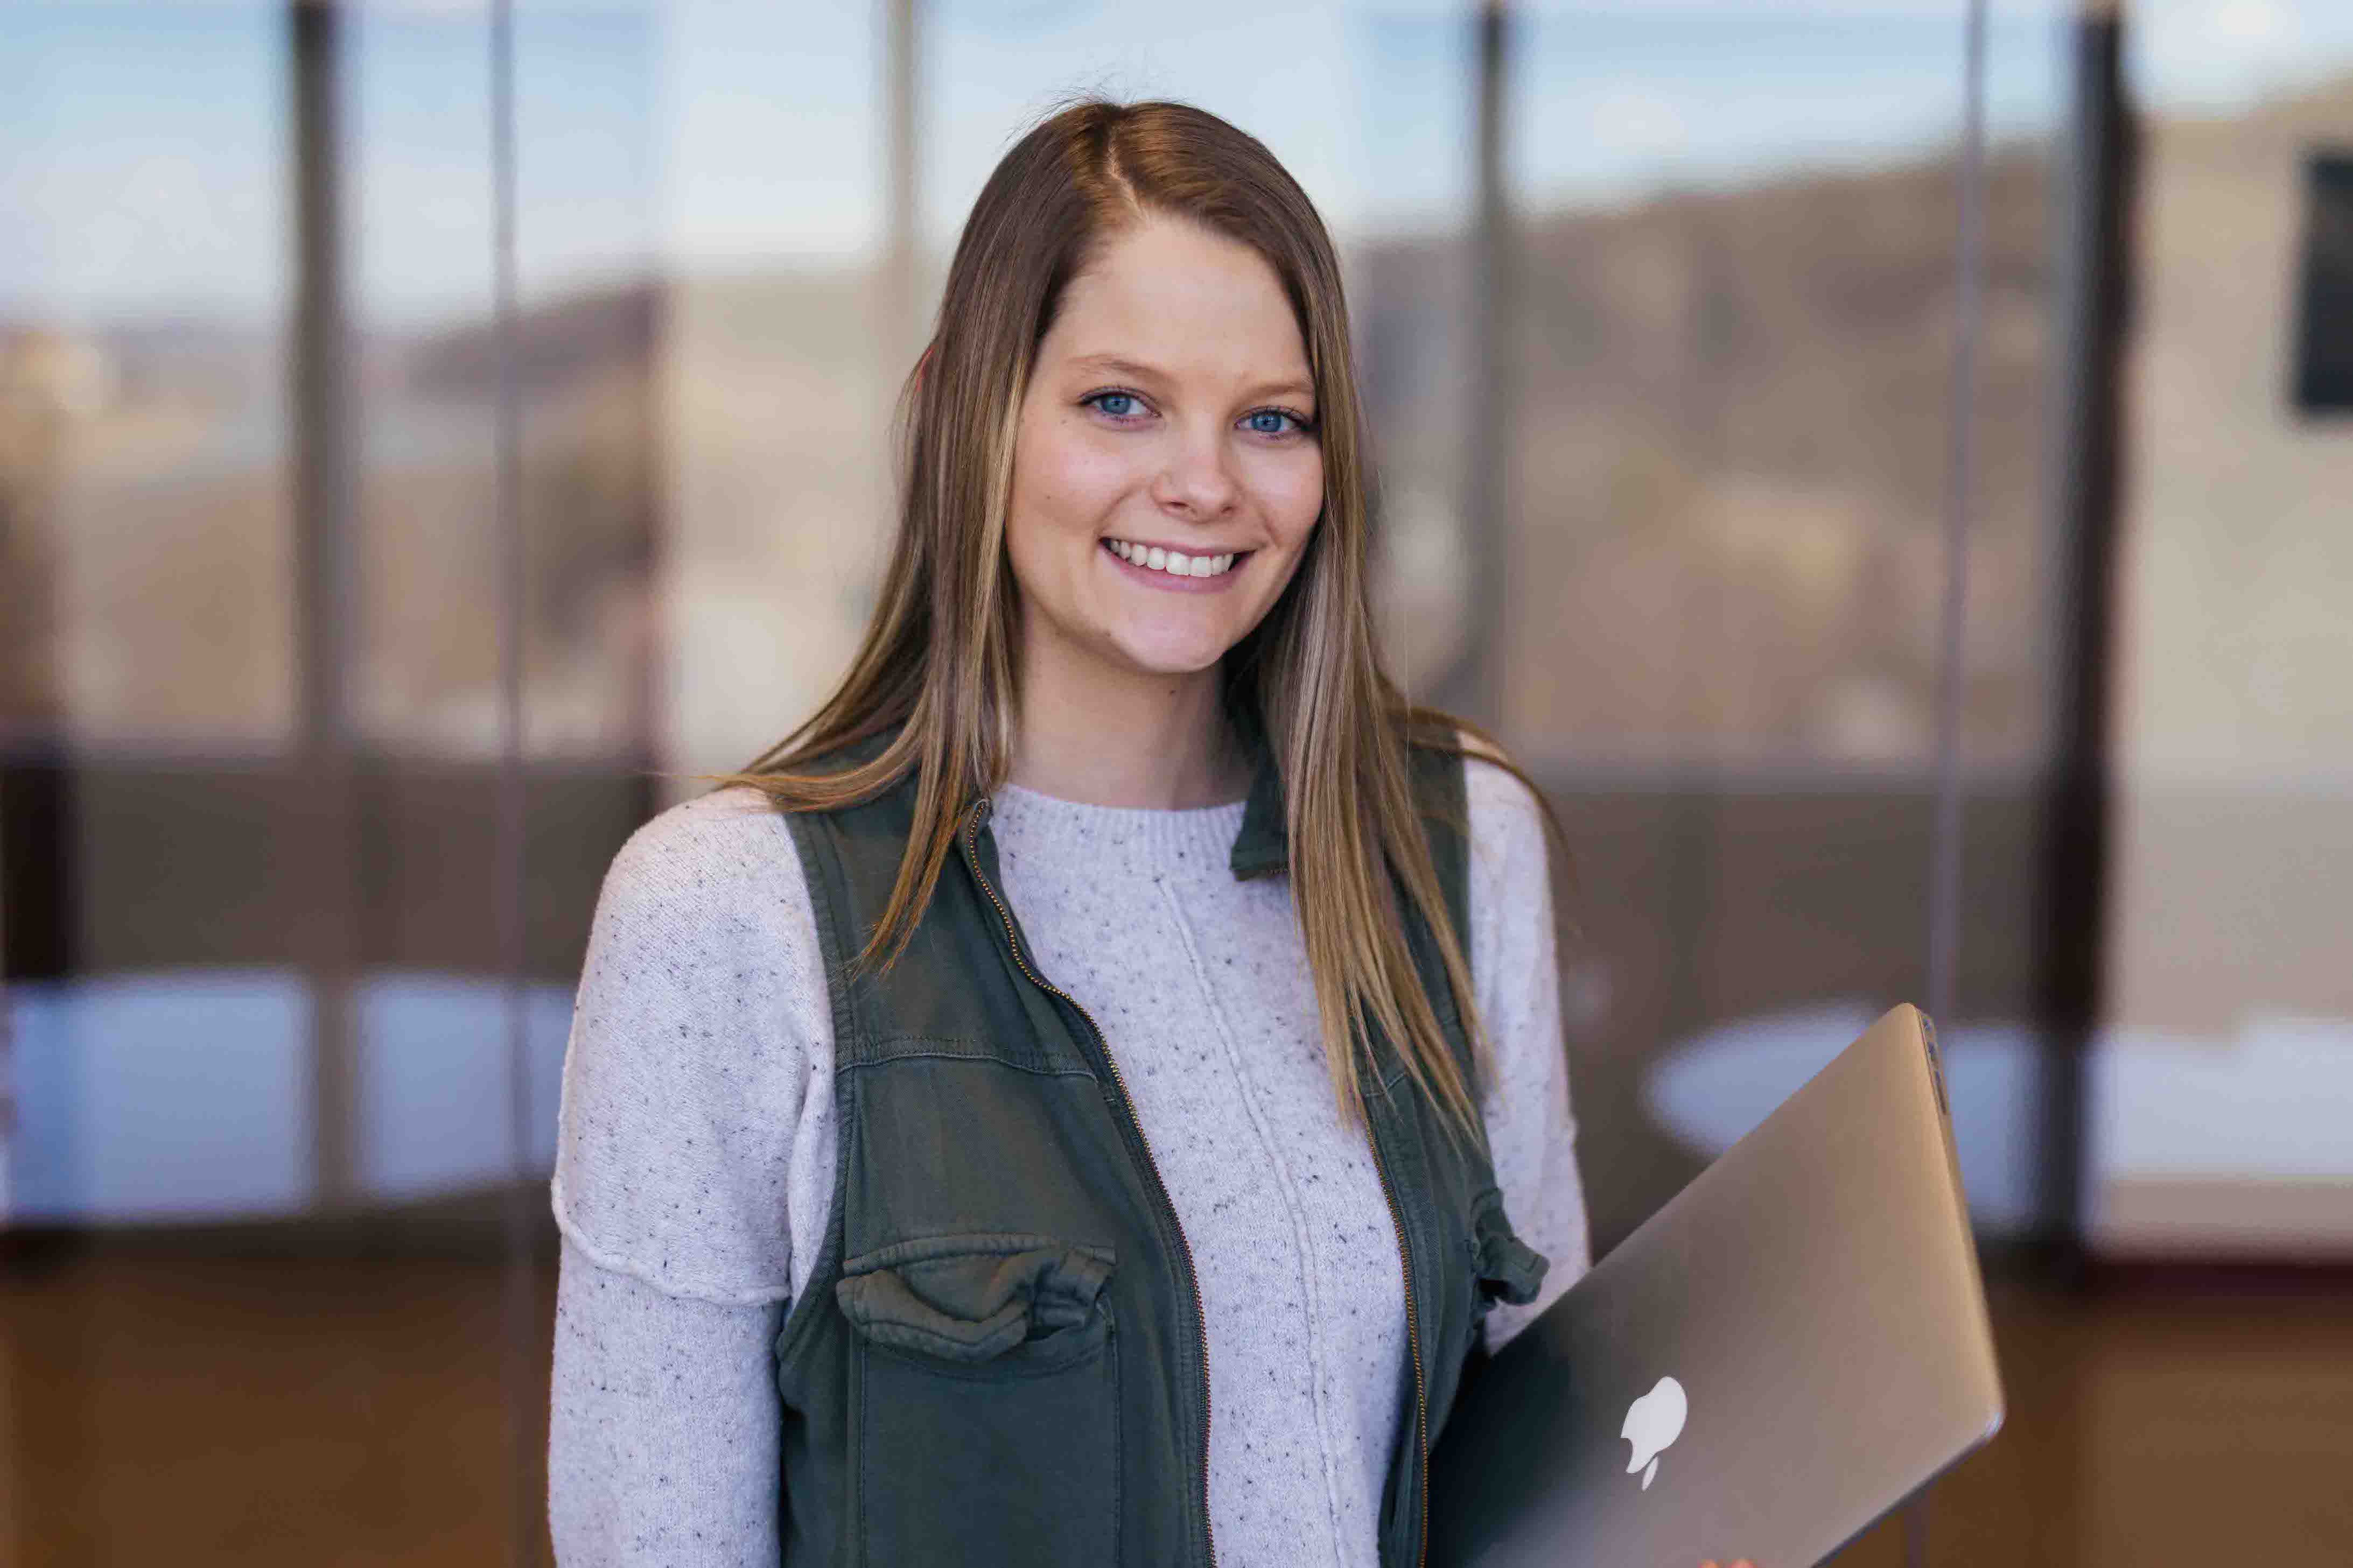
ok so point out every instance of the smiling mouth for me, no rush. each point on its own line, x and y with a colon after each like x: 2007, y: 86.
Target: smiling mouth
x: 1176, y: 563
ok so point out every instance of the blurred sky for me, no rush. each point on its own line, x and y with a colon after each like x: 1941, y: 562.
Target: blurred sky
x: 143, y: 160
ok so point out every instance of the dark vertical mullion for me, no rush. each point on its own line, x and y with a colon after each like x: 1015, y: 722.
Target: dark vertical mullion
x: 1944, y: 880
x: 326, y: 939
x: 1944, y: 934
x: 902, y: 24
x: 1473, y: 686
x: 2095, y: 309
x: 519, y: 1299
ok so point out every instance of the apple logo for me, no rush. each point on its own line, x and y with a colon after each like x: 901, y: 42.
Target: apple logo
x: 1652, y: 1422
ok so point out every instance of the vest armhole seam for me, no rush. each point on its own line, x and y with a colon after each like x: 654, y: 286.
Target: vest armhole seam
x: 825, y: 903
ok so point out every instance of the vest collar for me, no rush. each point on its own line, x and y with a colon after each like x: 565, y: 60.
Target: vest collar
x: 1263, y: 844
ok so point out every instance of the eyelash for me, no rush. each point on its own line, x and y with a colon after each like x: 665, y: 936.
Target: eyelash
x: 1304, y: 425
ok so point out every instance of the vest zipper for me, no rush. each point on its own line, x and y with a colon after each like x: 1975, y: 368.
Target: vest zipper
x: 1412, y: 1339
x: 1127, y: 1107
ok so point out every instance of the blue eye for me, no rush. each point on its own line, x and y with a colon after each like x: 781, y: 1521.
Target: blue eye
x: 1106, y: 401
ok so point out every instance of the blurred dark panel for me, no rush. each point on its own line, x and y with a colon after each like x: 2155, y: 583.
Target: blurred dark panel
x: 429, y: 859
x: 2070, y: 897
x: 1702, y: 905
x: 2324, y: 340
x: 182, y: 865
x: 39, y: 884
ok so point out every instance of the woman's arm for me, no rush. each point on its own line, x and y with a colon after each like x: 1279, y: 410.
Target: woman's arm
x: 662, y: 1424
x: 694, y: 1160
x: 1531, y: 1129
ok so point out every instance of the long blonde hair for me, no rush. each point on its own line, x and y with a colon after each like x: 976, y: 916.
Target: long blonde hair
x: 938, y: 656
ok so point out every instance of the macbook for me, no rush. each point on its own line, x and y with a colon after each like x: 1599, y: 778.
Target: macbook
x: 1782, y: 1355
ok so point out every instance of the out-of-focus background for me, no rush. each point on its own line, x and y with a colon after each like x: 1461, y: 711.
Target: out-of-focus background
x: 429, y: 431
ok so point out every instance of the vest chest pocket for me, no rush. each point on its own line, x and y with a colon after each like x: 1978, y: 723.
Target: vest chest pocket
x: 984, y: 1401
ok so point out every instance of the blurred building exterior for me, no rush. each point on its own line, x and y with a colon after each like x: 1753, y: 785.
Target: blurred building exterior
x: 2227, y: 961
x: 1718, y: 473
x: 1658, y: 309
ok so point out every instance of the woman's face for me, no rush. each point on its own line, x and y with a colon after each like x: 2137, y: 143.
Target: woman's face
x: 1166, y: 472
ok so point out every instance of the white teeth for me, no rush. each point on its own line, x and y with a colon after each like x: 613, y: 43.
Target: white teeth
x: 1175, y: 563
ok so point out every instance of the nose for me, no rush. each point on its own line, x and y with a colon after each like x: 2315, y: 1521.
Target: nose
x: 1196, y: 481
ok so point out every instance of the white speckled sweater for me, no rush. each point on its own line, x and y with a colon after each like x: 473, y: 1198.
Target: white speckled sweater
x: 695, y: 1159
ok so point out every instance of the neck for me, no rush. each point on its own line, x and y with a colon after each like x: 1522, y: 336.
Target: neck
x: 1103, y: 736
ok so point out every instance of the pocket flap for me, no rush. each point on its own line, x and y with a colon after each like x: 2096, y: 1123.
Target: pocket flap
x: 971, y: 1298
x: 1508, y: 1267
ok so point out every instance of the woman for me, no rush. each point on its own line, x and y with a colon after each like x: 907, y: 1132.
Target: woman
x: 1115, y: 1007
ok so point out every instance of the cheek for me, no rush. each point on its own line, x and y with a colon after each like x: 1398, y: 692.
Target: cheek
x: 1294, y: 499
x: 1062, y: 480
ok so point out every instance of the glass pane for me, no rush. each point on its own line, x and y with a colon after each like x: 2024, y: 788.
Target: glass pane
x: 1742, y: 226
x: 2216, y: 1100
x: 422, y: 256
x: 1735, y: 438
x: 775, y: 388
x: 419, y: 198
x: 144, y: 582
x: 254, y: 1003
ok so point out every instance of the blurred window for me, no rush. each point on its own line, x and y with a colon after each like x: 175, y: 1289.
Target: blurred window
x: 1736, y: 434
x: 1732, y: 475
x: 2229, y: 997
x: 422, y: 239
x: 144, y: 524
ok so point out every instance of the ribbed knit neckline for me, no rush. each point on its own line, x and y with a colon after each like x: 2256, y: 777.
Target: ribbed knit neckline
x: 1169, y: 841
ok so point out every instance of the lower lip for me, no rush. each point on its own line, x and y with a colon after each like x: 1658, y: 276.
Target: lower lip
x: 1172, y: 582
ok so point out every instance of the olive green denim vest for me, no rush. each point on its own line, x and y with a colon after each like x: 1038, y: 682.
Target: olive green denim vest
x: 999, y: 1357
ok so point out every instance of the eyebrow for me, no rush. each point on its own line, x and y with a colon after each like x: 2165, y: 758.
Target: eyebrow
x: 1142, y: 372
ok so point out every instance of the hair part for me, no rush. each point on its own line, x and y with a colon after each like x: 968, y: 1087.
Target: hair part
x: 939, y: 653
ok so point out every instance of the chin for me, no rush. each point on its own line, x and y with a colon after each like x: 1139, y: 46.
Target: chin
x: 1157, y: 658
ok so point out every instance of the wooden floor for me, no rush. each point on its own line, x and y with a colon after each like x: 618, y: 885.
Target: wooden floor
x: 158, y: 1411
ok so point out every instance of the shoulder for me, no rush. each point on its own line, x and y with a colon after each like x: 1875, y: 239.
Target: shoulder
x: 1501, y: 809
x: 706, y: 891
x: 728, y: 850
x: 1506, y: 821
x: 700, y: 1051
x: 731, y: 834
x: 703, y: 908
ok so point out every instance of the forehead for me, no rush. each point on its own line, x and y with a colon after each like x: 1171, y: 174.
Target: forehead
x: 1178, y: 297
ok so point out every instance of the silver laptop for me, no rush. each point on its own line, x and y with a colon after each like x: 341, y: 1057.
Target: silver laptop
x: 1777, y: 1358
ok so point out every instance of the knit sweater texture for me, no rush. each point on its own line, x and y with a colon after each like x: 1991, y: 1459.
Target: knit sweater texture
x: 697, y: 1143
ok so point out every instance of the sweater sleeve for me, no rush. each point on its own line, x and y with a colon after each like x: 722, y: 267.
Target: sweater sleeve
x: 1531, y: 1129
x: 694, y: 1160
x: 662, y: 1424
